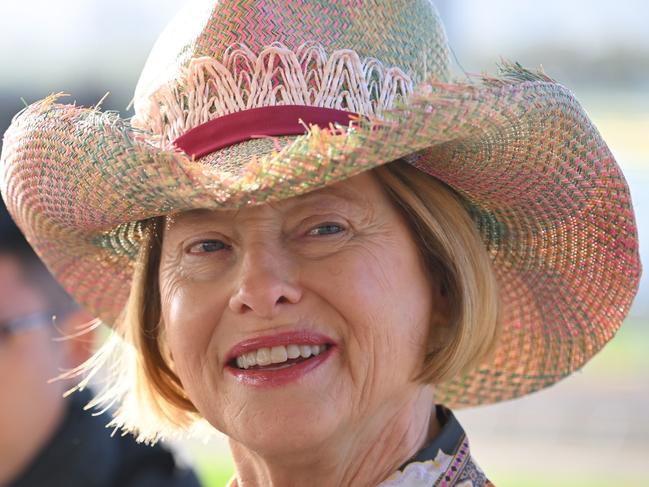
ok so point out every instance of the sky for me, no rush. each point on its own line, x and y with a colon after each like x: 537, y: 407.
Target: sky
x: 590, y: 25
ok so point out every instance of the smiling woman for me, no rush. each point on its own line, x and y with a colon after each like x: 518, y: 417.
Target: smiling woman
x: 385, y: 264
x: 314, y: 240
x: 285, y: 321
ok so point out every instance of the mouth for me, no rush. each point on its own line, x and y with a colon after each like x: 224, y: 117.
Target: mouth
x: 278, y: 359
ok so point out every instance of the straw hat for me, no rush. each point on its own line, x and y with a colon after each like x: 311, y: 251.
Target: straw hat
x: 221, y: 116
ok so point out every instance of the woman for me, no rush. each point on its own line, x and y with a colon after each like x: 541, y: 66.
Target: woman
x: 310, y: 235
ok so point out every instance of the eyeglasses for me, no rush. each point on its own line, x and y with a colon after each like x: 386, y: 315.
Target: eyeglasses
x: 23, y: 323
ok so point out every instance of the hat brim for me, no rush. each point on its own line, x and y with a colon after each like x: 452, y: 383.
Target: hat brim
x: 547, y: 196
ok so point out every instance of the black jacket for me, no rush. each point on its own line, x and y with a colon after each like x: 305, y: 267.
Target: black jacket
x: 83, y: 454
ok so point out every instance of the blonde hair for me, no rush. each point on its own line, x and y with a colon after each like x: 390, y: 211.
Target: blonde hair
x: 149, y: 396
x: 455, y: 254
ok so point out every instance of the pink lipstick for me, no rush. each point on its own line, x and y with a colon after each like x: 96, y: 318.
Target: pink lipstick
x: 267, y: 374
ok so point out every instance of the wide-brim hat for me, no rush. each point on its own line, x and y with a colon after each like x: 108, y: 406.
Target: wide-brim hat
x: 247, y: 102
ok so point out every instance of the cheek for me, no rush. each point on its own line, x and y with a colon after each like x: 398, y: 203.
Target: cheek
x: 190, y: 312
x: 385, y: 299
x: 392, y: 288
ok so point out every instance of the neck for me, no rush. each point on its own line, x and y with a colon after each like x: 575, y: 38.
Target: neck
x: 361, y: 456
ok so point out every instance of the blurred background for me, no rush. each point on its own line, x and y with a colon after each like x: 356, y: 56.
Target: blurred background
x: 591, y: 429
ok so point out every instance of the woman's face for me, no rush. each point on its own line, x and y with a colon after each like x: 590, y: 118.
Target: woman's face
x: 332, y: 276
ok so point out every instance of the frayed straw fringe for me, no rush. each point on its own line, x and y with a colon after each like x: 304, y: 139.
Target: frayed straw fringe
x: 511, y: 72
x: 277, y: 76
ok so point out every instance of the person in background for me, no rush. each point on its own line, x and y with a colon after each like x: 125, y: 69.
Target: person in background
x: 46, y: 439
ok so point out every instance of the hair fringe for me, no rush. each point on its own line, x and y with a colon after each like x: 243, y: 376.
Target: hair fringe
x: 454, y: 253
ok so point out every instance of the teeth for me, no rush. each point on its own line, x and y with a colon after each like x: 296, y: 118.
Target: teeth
x: 278, y: 355
x: 263, y: 356
x: 293, y: 351
x: 250, y: 359
x: 305, y: 351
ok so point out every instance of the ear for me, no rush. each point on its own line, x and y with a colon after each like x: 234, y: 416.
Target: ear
x: 79, y: 338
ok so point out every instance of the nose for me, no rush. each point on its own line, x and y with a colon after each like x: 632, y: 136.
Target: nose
x: 266, y: 283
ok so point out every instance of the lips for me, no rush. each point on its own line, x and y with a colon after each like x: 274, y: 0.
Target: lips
x: 301, y: 337
x: 267, y: 374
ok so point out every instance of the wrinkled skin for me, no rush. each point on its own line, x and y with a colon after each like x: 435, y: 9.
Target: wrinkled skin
x: 340, y: 261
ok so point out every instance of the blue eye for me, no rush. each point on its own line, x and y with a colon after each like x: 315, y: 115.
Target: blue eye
x: 326, y: 229
x: 207, y: 246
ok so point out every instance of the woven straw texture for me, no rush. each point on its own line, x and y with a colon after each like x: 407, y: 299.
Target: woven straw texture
x: 547, y: 196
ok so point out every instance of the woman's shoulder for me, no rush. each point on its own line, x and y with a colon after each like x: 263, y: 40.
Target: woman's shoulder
x: 445, y: 460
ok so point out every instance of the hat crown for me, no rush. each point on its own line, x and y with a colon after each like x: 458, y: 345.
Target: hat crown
x: 217, y: 58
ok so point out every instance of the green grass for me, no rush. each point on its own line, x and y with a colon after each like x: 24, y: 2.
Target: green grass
x: 214, y: 474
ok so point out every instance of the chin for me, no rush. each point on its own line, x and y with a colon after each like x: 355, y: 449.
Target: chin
x: 285, y: 426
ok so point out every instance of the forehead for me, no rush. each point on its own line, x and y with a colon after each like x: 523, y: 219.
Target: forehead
x: 361, y: 192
